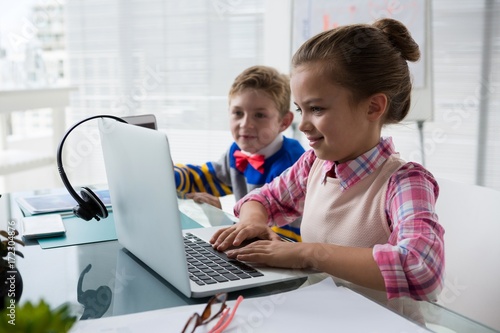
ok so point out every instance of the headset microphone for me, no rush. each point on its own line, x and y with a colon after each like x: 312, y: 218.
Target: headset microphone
x: 89, y: 205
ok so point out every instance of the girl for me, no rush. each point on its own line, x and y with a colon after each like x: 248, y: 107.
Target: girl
x: 368, y: 217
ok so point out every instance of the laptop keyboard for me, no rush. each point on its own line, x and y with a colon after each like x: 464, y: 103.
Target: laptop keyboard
x: 208, y: 266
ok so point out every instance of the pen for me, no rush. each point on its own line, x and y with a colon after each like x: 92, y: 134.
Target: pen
x: 287, y: 239
x: 67, y: 214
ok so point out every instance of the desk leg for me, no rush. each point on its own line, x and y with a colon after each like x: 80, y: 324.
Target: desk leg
x: 3, y: 146
x: 3, y: 131
x: 58, y: 126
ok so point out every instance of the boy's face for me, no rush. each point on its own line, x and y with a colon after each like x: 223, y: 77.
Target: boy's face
x: 254, y: 120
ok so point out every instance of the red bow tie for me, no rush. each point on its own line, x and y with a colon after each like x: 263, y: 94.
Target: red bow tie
x: 242, y: 160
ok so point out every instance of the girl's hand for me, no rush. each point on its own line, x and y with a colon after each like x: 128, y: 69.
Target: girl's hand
x: 271, y: 253
x: 225, y: 238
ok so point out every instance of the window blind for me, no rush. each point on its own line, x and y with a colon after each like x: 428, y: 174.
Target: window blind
x: 173, y: 58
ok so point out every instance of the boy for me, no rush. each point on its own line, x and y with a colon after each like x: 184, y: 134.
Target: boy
x: 259, y: 111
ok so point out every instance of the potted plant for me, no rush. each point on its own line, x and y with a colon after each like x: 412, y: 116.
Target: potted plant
x: 11, y: 282
x: 37, y: 318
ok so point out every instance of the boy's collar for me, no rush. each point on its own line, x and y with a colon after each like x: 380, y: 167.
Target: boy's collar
x: 271, y: 148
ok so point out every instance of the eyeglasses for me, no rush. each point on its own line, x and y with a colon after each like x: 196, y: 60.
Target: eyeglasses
x: 216, y: 306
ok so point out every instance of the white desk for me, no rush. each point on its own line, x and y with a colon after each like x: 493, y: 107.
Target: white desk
x: 53, y: 275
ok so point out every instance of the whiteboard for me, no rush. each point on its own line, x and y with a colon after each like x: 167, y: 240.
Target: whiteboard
x: 311, y: 17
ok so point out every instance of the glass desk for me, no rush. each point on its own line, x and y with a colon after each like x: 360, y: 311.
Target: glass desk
x: 104, y: 279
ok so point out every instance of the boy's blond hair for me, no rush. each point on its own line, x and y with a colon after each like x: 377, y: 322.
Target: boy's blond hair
x: 267, y: 79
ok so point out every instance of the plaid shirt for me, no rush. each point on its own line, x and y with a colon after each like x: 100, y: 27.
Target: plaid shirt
x: 412, y: 261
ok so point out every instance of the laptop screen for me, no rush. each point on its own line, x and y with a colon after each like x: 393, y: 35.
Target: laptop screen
x: 145, y: 120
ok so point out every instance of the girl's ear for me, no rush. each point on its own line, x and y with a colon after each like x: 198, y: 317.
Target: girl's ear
x: 377, y: 106
x: 286, y: 121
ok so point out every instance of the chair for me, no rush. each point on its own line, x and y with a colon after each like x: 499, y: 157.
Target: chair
x: 471, y: 217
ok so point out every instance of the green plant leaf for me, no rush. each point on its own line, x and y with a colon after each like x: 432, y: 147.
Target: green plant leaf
x: 39, y: 318
x: 4, y: 246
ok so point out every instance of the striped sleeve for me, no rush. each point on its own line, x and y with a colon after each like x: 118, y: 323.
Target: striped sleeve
x: 412, y: 262
x: 199, y: 178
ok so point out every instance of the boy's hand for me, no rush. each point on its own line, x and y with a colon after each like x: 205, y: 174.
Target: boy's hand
x: 236, y: 234
x: 202, y: 197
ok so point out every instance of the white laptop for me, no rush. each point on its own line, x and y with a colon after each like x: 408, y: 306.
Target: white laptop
x: 141, y: 182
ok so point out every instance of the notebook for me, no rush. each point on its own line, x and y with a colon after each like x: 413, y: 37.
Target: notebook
x: 141, y: 182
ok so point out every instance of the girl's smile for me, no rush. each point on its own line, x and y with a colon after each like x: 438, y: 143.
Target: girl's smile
x: 337, y: 128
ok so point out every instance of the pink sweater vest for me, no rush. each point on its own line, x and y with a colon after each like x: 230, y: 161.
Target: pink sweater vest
x: 352, y: 217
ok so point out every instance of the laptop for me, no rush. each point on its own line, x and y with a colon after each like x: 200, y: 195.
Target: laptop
x: 147, y: 219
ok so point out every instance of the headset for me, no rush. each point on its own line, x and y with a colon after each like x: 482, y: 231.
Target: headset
x: 89, y: 205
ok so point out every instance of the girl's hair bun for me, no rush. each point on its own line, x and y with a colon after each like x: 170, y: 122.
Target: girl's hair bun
x: 400, y: 38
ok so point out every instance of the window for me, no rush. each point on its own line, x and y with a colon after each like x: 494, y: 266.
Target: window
x: 177, y: 59
x: 466, y: 58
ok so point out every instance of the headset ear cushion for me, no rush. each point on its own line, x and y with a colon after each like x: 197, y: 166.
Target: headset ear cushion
x: 94, y: 203
x: 83, y: 213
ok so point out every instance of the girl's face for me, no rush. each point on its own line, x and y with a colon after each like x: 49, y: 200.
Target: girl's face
x: 336, y: 130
